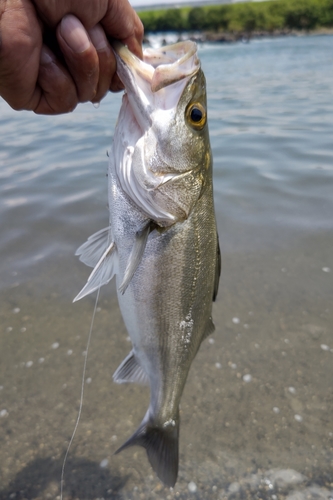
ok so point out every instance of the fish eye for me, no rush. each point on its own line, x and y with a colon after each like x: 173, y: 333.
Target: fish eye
x: 196, y: 115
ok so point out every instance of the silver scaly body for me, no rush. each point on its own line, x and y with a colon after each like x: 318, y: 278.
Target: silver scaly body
x: 162, y: 242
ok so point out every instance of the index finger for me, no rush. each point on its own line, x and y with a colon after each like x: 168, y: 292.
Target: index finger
x: 122, y: 22
x: 118, y: 18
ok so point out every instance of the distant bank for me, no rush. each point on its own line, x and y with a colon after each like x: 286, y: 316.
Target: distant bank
x: 228, y: 22
x: 140, y: 5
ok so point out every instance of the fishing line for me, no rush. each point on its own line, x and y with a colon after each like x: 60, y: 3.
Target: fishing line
x: 82, y: 394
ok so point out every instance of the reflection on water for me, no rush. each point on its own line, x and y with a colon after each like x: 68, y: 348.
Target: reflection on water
x: 257, y: 409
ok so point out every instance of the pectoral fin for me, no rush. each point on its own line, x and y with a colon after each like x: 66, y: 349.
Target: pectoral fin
x: 92, y: 249
x: 130, y: 371
x: 102, y: 273
x: 135, y: 257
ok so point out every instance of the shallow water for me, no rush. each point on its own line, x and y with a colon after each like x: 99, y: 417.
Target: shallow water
x: 259, y: 395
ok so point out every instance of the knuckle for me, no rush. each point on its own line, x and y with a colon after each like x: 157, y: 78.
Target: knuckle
x: 15, y: 105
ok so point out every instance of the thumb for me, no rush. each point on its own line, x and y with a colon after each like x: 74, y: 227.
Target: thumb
x: 80, y: 56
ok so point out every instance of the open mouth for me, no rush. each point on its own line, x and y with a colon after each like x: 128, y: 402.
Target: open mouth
x: 161, y: 67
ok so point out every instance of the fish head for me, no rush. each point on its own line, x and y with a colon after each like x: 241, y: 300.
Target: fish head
x: 161, y: 145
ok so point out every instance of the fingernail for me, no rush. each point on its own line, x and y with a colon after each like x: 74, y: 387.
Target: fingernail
x: 98, y: 37
x: 45, y: 57
x: 74, y: 34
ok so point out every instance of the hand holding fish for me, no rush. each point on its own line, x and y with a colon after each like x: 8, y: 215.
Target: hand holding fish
x: 54, y: 55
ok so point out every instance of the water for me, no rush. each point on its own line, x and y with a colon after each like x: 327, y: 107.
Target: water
x: 259, y: 395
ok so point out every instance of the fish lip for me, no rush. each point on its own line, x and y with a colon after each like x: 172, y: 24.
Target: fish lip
x: 131, y: 61
x: 158, y: 75
x: 145, y: 81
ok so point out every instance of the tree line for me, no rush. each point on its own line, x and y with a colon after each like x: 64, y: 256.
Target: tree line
x: 257, y: 16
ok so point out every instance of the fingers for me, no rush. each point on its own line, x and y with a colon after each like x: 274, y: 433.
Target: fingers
x: 123, y: 23
x: 106, y: 59
x: 20, y: 43
x: 80, y: 56
x: 31, y: 77
x: 78, y: 32
x: 90, y: 68
x: 117, y: 17
x: 88, y: 56
x: 56, y: 89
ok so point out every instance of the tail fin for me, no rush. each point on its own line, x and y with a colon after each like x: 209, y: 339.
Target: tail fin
x: 161, y: 444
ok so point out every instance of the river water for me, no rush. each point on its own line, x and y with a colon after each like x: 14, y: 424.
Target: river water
x: 257, y: 408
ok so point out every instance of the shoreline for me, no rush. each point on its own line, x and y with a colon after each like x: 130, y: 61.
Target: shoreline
x: 242, y: 36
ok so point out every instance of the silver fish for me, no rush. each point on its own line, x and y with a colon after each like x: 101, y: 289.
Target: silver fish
x: 162, y: 242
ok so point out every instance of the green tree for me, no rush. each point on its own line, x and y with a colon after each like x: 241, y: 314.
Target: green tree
x: 217, y: 18
x: 244, y: 18
x: 197, y: 19
x: 302, y: 14
x: 171, y: 20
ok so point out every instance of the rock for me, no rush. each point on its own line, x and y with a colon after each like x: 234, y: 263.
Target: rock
x: 285, y: 478
x: 234, y: 488
x: 192, y: 487
x: 314, y: 331
x: 311, y: 493
x: 296, y: 495
x: 317, y: 493
x: 252, y: 482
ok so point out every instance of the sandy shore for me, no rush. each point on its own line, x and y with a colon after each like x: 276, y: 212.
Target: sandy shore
x: 258, y: 398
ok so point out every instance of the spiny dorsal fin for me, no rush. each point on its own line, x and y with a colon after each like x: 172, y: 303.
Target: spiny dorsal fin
x: 92, y: 250
x: 161, y: 444
x: 130, y: 371
x: 102, y: 273
x: 136, y: 254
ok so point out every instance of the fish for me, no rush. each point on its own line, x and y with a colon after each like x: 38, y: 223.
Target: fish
x: 161, y: 243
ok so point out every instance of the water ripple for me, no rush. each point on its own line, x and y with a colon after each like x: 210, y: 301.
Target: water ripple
x: 270, y: 118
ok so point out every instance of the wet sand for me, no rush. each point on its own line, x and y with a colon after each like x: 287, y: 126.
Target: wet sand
x: 258, y: 397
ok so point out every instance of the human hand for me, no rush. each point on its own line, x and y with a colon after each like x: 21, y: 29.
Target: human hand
x: 78, y: 66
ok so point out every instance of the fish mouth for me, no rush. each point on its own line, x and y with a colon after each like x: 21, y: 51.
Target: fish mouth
x: 161, y: 67
x: 157, y: 81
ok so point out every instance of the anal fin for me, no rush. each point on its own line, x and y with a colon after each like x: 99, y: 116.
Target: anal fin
x: 130, y: 371
x: 210, y: 328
